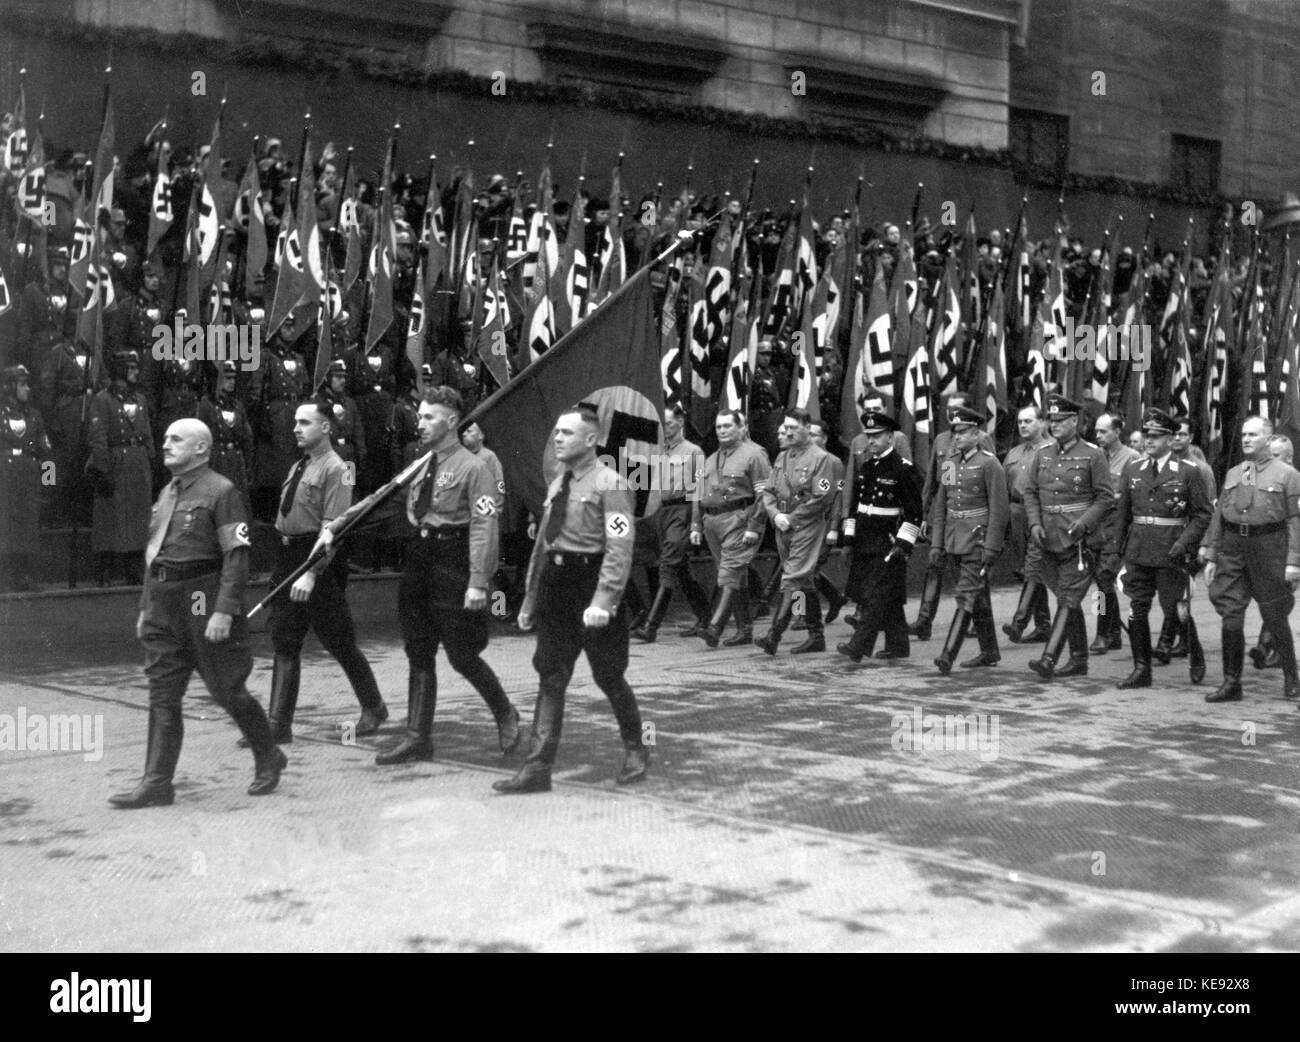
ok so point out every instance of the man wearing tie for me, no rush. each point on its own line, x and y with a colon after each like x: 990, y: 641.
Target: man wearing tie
x: 192, y: 615
x: 579, y: 569
x: 317, y: 490
x: 452, y: 505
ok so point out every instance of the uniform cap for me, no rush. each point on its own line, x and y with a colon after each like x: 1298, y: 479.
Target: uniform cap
x: 1060, y: 407
x: 1157, y: 422
x: 964, y: 416
x: 59, y: 253
x: 337, y: 366
x: 229, y: 369
x: 878, y: 423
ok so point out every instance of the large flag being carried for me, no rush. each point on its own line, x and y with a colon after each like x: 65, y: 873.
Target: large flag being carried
x: 623, y: 384
x: 871, y: 360
x: 1219, y: 324
x: 161, y: 212
x: 383, y: 258
x: 946, y: 332
x: 671, y: 357
x: 249, y: 215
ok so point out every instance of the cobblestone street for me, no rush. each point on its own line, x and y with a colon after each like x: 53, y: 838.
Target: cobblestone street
x: 788, y: 808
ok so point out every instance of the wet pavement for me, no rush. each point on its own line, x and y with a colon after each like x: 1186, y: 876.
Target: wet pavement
x: 794, y: 803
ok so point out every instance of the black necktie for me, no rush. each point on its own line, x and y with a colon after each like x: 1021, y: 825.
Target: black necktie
x: 559, y: 507
x: 286, y: 501
x: 425, y: 497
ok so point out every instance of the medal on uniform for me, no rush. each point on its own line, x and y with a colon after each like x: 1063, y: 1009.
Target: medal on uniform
x: 290, y: 365
x: 18, y: 426
x: 228, y: 417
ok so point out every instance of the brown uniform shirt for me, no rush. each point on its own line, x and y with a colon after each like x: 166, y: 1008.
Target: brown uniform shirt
x: 208, y: 523
x: 599, y: 519
x: 464, y: 493
x: 730, y: 475
x: 1258, y: 494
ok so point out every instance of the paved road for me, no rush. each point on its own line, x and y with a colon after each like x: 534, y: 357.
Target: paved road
x: 789, y: 809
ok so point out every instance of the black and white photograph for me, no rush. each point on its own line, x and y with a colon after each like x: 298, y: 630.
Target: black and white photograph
x: 630, y: 476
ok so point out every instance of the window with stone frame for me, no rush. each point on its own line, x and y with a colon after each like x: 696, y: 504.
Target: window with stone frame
x: 1040, y: 141
x: 1194, y: 163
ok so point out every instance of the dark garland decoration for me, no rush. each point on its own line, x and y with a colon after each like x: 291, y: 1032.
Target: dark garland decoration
x: 291, y: 56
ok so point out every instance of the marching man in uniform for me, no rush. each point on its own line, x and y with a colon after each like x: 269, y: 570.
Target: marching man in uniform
x: 882, y: 524
x: 730, y: 518
x: 443, y: 598
x: 1253, y: 551
x: 968, y: 520
x: 581, y: 564
x: 317, y: 489
x: 1067, y: 496
x: 197, y: 556
x: 798, y: 497
x: 1162, y: 513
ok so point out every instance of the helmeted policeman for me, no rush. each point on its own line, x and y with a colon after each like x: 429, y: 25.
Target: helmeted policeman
x: 23, y: 449
x: 1253, y: 551
x: 452, y: 506
x: 121, y: 451
x: 968, y: 521
x: 1067, y: 496
x: 580, y: 565
x: 192, y: 615
x: 882, y: 526
x: 798, y: 497
x: 317, y: 489
x: 728, y: 516
x: 347, y: 436
x: 1162, y: 513
x: 679, y: 478
x: 223, y: 413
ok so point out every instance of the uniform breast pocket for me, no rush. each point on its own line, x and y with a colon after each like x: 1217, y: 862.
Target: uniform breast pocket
x: 189, y: 515
x: 447, y: 493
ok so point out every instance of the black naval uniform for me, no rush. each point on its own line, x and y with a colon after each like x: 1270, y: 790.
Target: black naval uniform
x: 582, y: 558
x: 197, y: 564
x: 1162, y: 514
x: 882, y: 526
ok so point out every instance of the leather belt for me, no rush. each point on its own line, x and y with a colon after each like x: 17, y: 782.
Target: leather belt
x: 289, y: 540
x: 560, y: 558
x: 1065, y: 508
x: 874, y: 511
x: 981, y: 512
x: 444, y: 531
x: 1163, y: 522
x: 1253, y: 530
x: 126, y: 444
x: 172, y: 573
x: 728, y: 507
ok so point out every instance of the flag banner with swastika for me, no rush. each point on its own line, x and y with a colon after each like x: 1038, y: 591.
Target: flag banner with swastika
x: 611, y: 359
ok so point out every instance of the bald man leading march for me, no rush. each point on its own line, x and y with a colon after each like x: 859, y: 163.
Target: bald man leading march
x: 192, y: 615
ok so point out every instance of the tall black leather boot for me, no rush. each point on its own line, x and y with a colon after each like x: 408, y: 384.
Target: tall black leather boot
x: 1284, y: 645
x: 1077, y: 635
x: 781, y: 620
x: 1195, y: 653
x: 286, y: 671
x: 1105, y: 624
x: 1139, y: 635
x: 744, y: 634
x: 1024, y: 609
x: 1163, y: 650
x: 835, y: 600
x: 987, y: 632
x: 758, y: 596
x: 417, y: 743
x: 694, y: 595
x: 1042, y: 617
x: 366, y: 688
x: 816, y: 640
x: 658, y: 609
x: 701, y: 623
x: 713, y: 631
x: 1116, y: 630
x: 535, y: 774
x: 956, y: 635
x: 163, y: 750
x: 1045, y: 667
x: 1263, y: 648
x: 929, y: 602
x: 636, y: 606
x: 1234, y: 653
